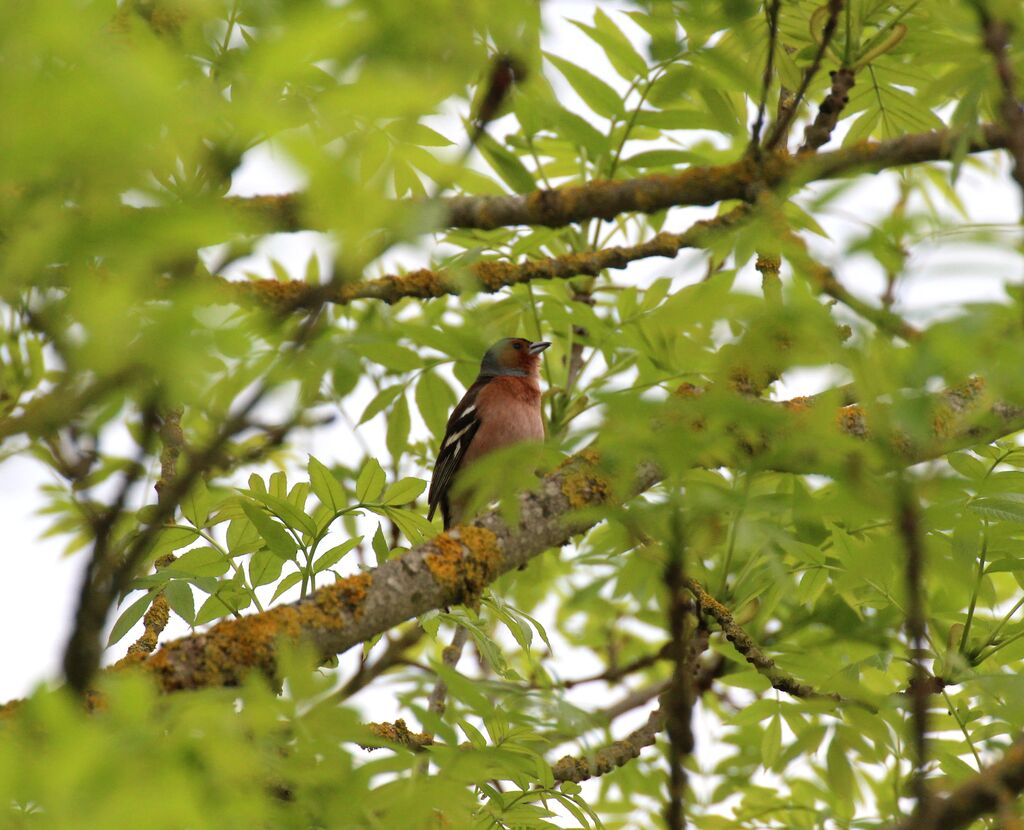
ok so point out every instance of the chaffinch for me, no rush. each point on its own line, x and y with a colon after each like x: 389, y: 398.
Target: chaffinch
x: 502, y: 407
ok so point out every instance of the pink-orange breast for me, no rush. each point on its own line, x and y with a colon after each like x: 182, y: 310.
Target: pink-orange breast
x: 509, y: 410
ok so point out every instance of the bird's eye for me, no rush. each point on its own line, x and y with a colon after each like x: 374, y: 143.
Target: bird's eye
x: 517, y: 346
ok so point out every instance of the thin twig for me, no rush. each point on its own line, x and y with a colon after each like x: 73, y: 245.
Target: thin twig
x: 781, y: 127
x: 450, y: 658
x: 820, y: 131
x: 766, y: 80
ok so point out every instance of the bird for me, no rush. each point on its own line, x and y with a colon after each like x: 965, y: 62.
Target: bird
x: 501, y: 408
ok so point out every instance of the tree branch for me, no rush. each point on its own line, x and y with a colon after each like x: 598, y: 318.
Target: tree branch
x: 781, y: 128
x: 908, y: 521
x: 455, y: 566
x: 649, y: 194
x: 612, y: 756
x: 487, y: 276
x: 997, y: 42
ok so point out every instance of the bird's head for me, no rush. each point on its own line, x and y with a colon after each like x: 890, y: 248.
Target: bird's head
x: 515, y: 356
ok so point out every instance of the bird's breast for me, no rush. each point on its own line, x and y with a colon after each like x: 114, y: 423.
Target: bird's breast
x: 509, y: 413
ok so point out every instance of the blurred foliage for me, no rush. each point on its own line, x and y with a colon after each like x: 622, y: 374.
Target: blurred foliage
x: 125, y: 125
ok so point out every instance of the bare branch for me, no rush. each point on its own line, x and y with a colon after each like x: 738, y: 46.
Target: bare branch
x: 455, y: 566
x: 450, y: 657
x: 819, y: 132
x: 908, y: 521
x: 679, y: 698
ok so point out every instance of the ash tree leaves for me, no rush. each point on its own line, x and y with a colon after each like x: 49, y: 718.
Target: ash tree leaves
x: 273, y: 540
x: 114, y: 317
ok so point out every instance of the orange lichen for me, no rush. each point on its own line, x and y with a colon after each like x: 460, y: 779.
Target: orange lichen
x: 347, y: 594
x: 689, y: 390
x: 801, y: 404
x: 399, y: 733
x: 227, y: 652
x: 851, y: 420
x: 464, y: 561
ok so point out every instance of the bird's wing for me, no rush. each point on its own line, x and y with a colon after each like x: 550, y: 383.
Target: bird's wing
x: 462, y: 426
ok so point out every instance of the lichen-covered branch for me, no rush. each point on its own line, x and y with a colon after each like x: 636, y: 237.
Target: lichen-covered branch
x: 455, y: 566
x: 487, y: 276
x: 612, y: 756
x: 745, y: 645
x: 649, y: 194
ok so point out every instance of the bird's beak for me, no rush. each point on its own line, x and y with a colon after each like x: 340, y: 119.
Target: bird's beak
x: 537, y: 348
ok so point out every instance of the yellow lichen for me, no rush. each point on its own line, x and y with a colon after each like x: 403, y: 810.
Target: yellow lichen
x: 851, y: 421
x: 585, y: 488
x: 801, y: 404
x: 464, y: 561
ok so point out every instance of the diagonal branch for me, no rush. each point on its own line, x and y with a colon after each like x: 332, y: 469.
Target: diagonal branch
x: 455, y: 566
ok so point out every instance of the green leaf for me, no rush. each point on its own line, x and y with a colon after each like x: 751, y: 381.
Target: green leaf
x: 595, y: 93
x: 399, y: 424
x: 381, y: 401
x: 286, y: 511
x: 1008, y: 507
x: 213, y: 609
x: 414, y: 526
x: 273, y: 534
x: 675, y: 119
x: 662, y: 158
x: 370, y: 482
x: 617, y: 47
x: 390, y: 355
x: 204, y: 561
x: 196, y: 505
x: 326, y: 486
x: 771, y: 743
x: 181, y: 599
x: 380, y: 546
x: 288, y: 582
x: 242, y: 537
x: 172, y: 538
x: 131, y: 615
x: 434, y: 400
x: 404, y: 491
x: 264, y: 568
x: 332, y: 556
x: 507, y: 165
